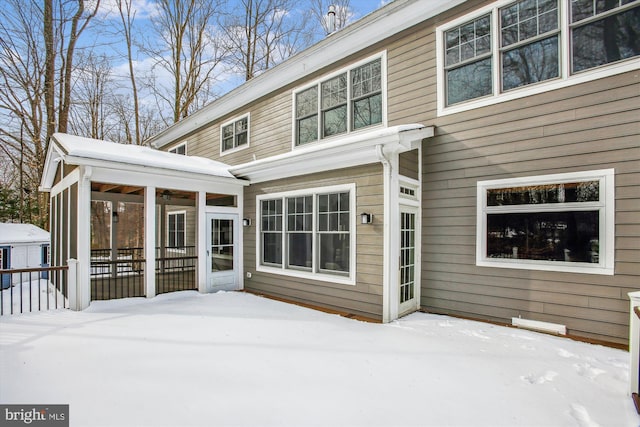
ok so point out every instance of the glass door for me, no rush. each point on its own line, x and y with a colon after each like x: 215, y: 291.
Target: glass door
x: 222, y: 244
x: 407, y: 282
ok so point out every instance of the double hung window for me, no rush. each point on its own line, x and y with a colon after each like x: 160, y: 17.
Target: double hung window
x: 345, y: 102
x: 512, y: 45
x: 235, y: 134
x: 308, y: 232
x: 176, y: 229
x: 556, y: 222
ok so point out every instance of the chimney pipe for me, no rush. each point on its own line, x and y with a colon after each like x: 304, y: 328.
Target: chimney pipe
x: 331, y: 15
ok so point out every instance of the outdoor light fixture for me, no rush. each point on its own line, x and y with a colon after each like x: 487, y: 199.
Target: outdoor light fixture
x: 114, y: 217
x: 166, y: 195
x: 366, y: 218
x: 246, y: 222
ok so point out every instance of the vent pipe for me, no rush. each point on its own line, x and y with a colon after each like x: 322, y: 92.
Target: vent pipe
x: 331, y: 19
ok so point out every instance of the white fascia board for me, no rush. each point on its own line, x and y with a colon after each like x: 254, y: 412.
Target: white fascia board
x: 118, y: 168
x: 340, y: 153
x: 387, y: 21
x: 54, y: 156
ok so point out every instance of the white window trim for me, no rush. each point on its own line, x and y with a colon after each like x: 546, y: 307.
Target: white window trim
x: 241, y: 147
x: 184, y: 232
x: 565, y: 79
x: 383, y: 69
x: 349, y: 279
x: 175, y: 147
x: 606, y: 207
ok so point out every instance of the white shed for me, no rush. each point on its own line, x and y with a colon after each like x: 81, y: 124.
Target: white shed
x: 22, y: 246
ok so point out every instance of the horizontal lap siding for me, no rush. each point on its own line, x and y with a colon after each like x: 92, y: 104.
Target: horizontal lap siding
x: 363, y: 299
x: 578, y: 128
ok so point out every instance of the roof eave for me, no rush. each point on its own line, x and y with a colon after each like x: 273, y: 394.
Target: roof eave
x: 391, y: 19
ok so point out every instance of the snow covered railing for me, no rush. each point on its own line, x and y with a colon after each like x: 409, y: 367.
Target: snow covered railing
x: 634, y: 348
x: 33, y: 289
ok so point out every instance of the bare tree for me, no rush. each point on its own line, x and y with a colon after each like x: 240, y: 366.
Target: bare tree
x: 91, y: 113
x: 62, y: 29
x: 261, y: 33
x: 185, y: 46
x: 127, y: 16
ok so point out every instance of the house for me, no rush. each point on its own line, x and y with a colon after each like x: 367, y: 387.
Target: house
x: 22, y: 246
x: 473, y: 158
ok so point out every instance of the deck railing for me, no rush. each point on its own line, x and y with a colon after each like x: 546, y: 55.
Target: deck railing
x: 34, y: 289
x: 123, y: 276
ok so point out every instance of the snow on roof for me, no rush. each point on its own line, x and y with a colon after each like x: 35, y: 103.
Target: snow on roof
x: 22, y: 233
x: 80, y: 147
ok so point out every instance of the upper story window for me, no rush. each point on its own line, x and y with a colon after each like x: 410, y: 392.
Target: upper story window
x: 235, y: 134
x: 346, y: 101
x: 562, y: 222
x: 179, y: 149
x: 516, y: 48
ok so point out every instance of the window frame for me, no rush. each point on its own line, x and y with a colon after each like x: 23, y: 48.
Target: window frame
x: 175, y: 148
x: 235, y: 147
x: 318, y: 84
x: 315, y: 272
x: 176, y: 248
x: 605, y: 207
x: 566, y: 76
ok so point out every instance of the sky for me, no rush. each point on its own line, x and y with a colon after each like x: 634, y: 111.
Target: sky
x: 104, y: 39
x: 231, y: 358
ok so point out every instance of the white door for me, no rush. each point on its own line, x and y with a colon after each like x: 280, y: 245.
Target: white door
x: 408, y: 282
x: 222, y: 252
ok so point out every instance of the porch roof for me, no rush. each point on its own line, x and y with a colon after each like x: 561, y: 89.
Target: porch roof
x: 352, y: 150
x: 76, y: 150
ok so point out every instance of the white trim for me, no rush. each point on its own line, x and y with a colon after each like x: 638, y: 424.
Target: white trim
x: 605, y: 206
x: 349, y: 279
x: 238, y: 147
x: 385, y: 22
x: 184, y: 232
x: 565, y: 79
x: 176, y: 146
x: 318, y: 83
x: 350, y: 150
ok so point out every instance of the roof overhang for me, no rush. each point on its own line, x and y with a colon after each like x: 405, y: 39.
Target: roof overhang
x: 118, y: 158
x: 379, y: 25
x: 353, y: 150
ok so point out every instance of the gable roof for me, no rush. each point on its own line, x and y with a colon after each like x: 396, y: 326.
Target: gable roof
x: 76, y: 150
x: 22, y: 233
x: 391, y: 19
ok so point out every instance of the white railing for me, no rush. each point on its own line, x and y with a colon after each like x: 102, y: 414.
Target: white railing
x: 634, y: 348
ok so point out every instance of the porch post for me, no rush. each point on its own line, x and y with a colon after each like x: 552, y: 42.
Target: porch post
x: 634, y: 345
x: 150, y: 241
x: 201, y: 242
x: 83, y: 296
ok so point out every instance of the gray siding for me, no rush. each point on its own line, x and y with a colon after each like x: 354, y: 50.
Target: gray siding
x: 363, y: 299
x: 579, y: 128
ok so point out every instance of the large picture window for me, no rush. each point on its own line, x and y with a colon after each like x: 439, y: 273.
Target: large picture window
x: 308, y: 233
x: 498, y: 51
x: 555, y: 222
x: 346, y: 101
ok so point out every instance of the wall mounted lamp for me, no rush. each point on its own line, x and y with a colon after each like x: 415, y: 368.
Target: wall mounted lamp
x: 114, y: 217
x: 366, y: 218
x: 166, y: 195
x: 246, y: 222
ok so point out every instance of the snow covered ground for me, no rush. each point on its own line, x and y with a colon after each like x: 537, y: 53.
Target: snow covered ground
x: 34, y: 295
x: 187, y: 359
